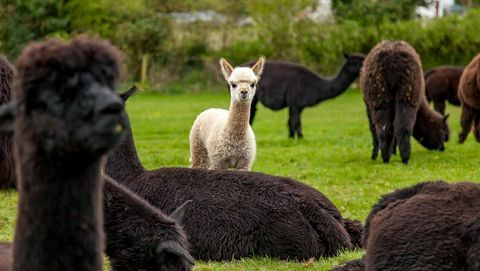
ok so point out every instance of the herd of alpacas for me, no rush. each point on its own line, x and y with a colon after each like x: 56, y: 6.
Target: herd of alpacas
x: 67, y: 146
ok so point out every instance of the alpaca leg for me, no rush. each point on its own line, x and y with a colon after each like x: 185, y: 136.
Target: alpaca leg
x: 439, y: 106
x: 374, y: 134
x: 243, y: 164
x: 253, y: 109
x: 383, y: 119
x: 466, y: 120
x: 294, y: 122
x: 298, y: 124
x: 405, y: 116
x: 219, y: 164
x: 198, y: 152
x: 476, y: 125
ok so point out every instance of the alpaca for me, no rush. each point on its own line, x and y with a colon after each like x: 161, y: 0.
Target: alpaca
x: 237, y: 214
x: 469, y: 94
x: 429, y: 226
x: 167, y: 244
x: 65, y: 117
x: 431, y: 129
x: 441, y: 84
x: 294, y: 86
x: 221, y: 139
x: 139, y: 236
x: 393, y: 90
x: 6, y: 259
x: 7, y: 172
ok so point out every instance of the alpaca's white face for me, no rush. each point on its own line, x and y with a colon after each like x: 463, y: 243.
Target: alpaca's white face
x: 243, y: 83
x: 242, y: 80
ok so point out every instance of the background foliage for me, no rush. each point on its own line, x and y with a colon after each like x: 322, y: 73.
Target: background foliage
x: 240, y: 31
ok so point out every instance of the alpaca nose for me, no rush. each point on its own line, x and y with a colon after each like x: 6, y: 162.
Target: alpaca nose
x: 243, y: 91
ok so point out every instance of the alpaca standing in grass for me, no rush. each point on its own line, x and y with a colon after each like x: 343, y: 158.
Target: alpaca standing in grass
x: 233, y: 214
x: 469, y: 94
x: 65, y: 117
x: 441, y: 85
x: 221, y: 139
x: 7, y: 171
x: 294, y: 86
x: 431, y: 226
x: 393, y: 90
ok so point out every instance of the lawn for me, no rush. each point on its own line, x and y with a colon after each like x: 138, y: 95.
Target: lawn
x: 334, y: 157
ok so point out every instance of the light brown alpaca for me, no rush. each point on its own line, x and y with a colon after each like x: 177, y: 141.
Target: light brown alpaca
x: 469, y: 94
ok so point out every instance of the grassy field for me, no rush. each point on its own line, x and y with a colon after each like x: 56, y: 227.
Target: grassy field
x: 334, y: 157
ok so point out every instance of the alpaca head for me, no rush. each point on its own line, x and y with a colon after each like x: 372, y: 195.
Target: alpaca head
x: 242, y: 80
x: 354, y: 62
x: 439, y: 133
x: 64, y: 98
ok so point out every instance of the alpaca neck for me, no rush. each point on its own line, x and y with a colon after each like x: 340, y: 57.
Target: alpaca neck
x: 238, y: 116
x: 123, y: 163
x: 338, y: 84
x: 424, y: 115
x: 59, y: 224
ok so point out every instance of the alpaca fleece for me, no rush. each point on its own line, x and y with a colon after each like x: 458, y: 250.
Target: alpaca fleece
x: 429, y: 226
x: 294, y: 86
x: 237, y: 214
x: 469, y: 94
x: 7, y: 171
x: 221, y: 139
x: 441, y: 85
x: 6, y: 259
x: 67, y: 119
x: 393, y: 90
x: 139, y: 236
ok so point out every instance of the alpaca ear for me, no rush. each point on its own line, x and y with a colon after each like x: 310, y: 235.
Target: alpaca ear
x: 446, y: 117
x: 8, y: 113
x: 258, y: 67
x: 125, y: 95
x: 179, y: 213
x: 172, y: 247
x: 227, y: 69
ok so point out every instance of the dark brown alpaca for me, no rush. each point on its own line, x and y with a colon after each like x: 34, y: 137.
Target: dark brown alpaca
x: 141, y: 237
x: 432, y: 226
x: 469, y: 94
x: 7, y: 172
x: 67, y: 118
x: 441, y: 85
x: 237, y: 214
x: 291, y: 85
x: 393, y: 90
x: 6, y: 259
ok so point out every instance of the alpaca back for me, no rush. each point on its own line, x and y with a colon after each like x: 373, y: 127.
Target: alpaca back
x: 469, y: 86
x: 7, y: 171
x: 210, y: 123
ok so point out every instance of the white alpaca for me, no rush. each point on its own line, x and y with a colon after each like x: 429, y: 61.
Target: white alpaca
x: 221, y: 139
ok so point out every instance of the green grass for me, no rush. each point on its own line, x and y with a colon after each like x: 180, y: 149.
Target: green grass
x: 334, y: 157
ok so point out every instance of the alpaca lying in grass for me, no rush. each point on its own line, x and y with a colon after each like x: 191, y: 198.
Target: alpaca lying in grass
x: 441, y: 85
x: 469, y: 94
x: 7, y: 171
x: 294, y: 86
x: 238, y: 214
x: 393, y: 90
x: 432, y: 226
x: 65, y: 117
x: 221, y: 139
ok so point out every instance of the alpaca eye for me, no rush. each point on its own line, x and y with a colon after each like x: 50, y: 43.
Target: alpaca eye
x: 234, y: 85
x: 252, y: 85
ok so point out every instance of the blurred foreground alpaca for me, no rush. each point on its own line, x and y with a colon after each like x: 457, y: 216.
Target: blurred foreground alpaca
x: 221, y: 139
x: 469, y: 94
x: 65, y: 117
x: 431, y: 226
x: 7, y: 168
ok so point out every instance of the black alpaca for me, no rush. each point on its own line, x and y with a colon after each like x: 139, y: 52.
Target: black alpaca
x: 429, y: 226
x: 67, y: 118
x: 393, y: 90
x: 441, y: 85
x: 294, y: 86
x: 141, y: 237
x: 7, y: 171
x: 235, y: 214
